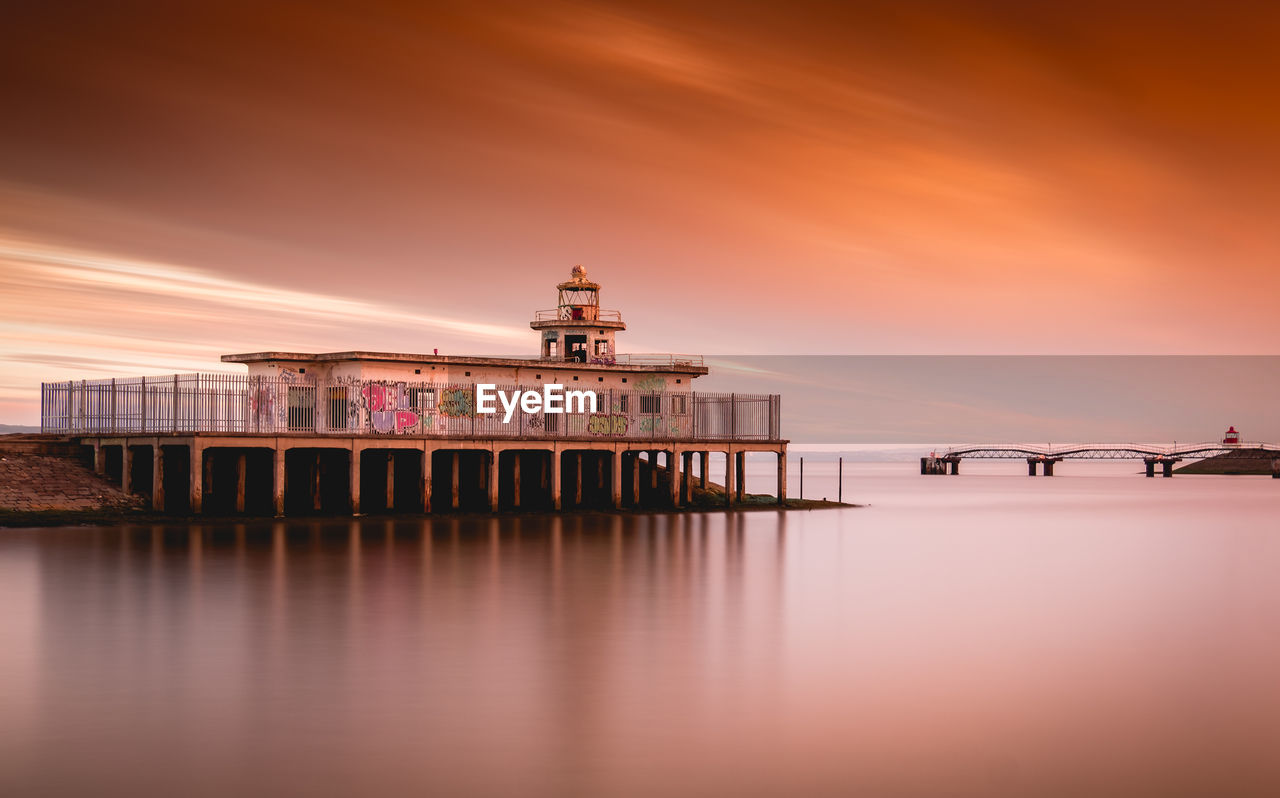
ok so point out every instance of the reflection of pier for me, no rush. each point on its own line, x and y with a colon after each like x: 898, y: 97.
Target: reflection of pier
x: 1043, y: 458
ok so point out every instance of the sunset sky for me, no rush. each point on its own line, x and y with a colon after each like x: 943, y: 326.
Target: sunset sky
x: 182, y: 180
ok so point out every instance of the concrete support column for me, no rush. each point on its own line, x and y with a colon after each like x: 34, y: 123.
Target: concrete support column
x: 1168, y: 468
x: 391, y: 480
x: 426, y: 480
x: 730, y: 479
x: 635, y: 479
x: 195, y: 474
x: 126, y: 468
x: 615, y: 479
x: 672, y: 472
x: 357, y: 455
x: 955, y: 467
x: 277, y: 480
x: 493, y: 480
x: 555, y: 478
x: 317, y: 465
x: 1151, y: 467
x: 241, y: 467
x: 1048, y: 468
x: 782, y: 476
x: 453, y: 480
x: 515, y: 479
x: 157, y: 478
x: 577, y: 479
x: 740, y: 484
x: 686, y: 481
x: 99, y: 459
x: 1031, y: 466
x: 653, y: 469
x: 702, y: 469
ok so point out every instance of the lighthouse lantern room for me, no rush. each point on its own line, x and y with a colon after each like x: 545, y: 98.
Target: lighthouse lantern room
x: 1231, y: 438
x: 577, y: 329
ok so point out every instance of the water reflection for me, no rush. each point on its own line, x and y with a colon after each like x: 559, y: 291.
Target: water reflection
x: 744, y: 653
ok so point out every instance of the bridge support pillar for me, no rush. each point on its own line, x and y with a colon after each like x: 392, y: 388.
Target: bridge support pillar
x: 955, y: 467
x: 1048, y: 466
x: 1031, y: 466
x: 1151, y: 466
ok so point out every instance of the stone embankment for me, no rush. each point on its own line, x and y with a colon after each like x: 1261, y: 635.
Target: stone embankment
x: 39, y: 474
x: 1240, y: 461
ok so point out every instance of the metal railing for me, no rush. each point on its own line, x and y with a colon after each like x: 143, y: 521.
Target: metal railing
x: 587, y: 313
x: 237, y: 403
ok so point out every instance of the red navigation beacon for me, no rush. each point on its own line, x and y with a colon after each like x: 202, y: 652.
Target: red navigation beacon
x: 1232, y: 436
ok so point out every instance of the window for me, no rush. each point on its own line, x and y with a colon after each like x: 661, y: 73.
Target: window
x: 624, y: 379
x: 599, y: 379
x: 339, y: 407
x: 467, y: 373
x: 417, y: 371
x: 602, y: 347
x: 650, y: 403
x: 423, y: 399
x: 679, y: 404
x: 622, y: 403
x: 575, y: 377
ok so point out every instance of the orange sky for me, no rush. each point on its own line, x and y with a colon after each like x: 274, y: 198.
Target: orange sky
x: 819, y: 178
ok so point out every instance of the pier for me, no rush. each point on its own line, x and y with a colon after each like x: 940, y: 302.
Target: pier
x: 249, y: 444
x: 1041, y: 459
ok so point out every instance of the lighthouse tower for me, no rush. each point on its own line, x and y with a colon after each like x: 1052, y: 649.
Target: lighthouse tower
x: 576, y: 329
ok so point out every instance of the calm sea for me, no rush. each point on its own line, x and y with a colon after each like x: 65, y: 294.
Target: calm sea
x: 1094, y: 633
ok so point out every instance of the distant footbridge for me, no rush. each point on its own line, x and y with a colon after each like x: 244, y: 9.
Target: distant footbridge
x: 1044, y: 457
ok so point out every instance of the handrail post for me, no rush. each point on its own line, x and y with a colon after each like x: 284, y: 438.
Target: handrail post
x: 733, y: 418
x: 144, y: 404
x: 173, y: 426
x: 113, y: 405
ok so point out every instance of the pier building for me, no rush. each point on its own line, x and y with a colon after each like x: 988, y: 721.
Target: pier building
x: 359, y: 431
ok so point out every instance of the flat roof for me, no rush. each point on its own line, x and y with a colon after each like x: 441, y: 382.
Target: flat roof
x: 675, y: 366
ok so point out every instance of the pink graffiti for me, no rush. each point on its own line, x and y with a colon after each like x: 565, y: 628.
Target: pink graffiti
x: 389, y: 408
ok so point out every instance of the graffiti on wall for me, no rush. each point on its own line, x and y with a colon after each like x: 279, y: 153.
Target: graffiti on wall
x: 457, y: 403
x: 607, y: 424
x: 651, y: 383
x: 390, y: 409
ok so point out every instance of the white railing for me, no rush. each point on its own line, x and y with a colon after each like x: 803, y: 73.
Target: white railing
x: 238, y: 403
